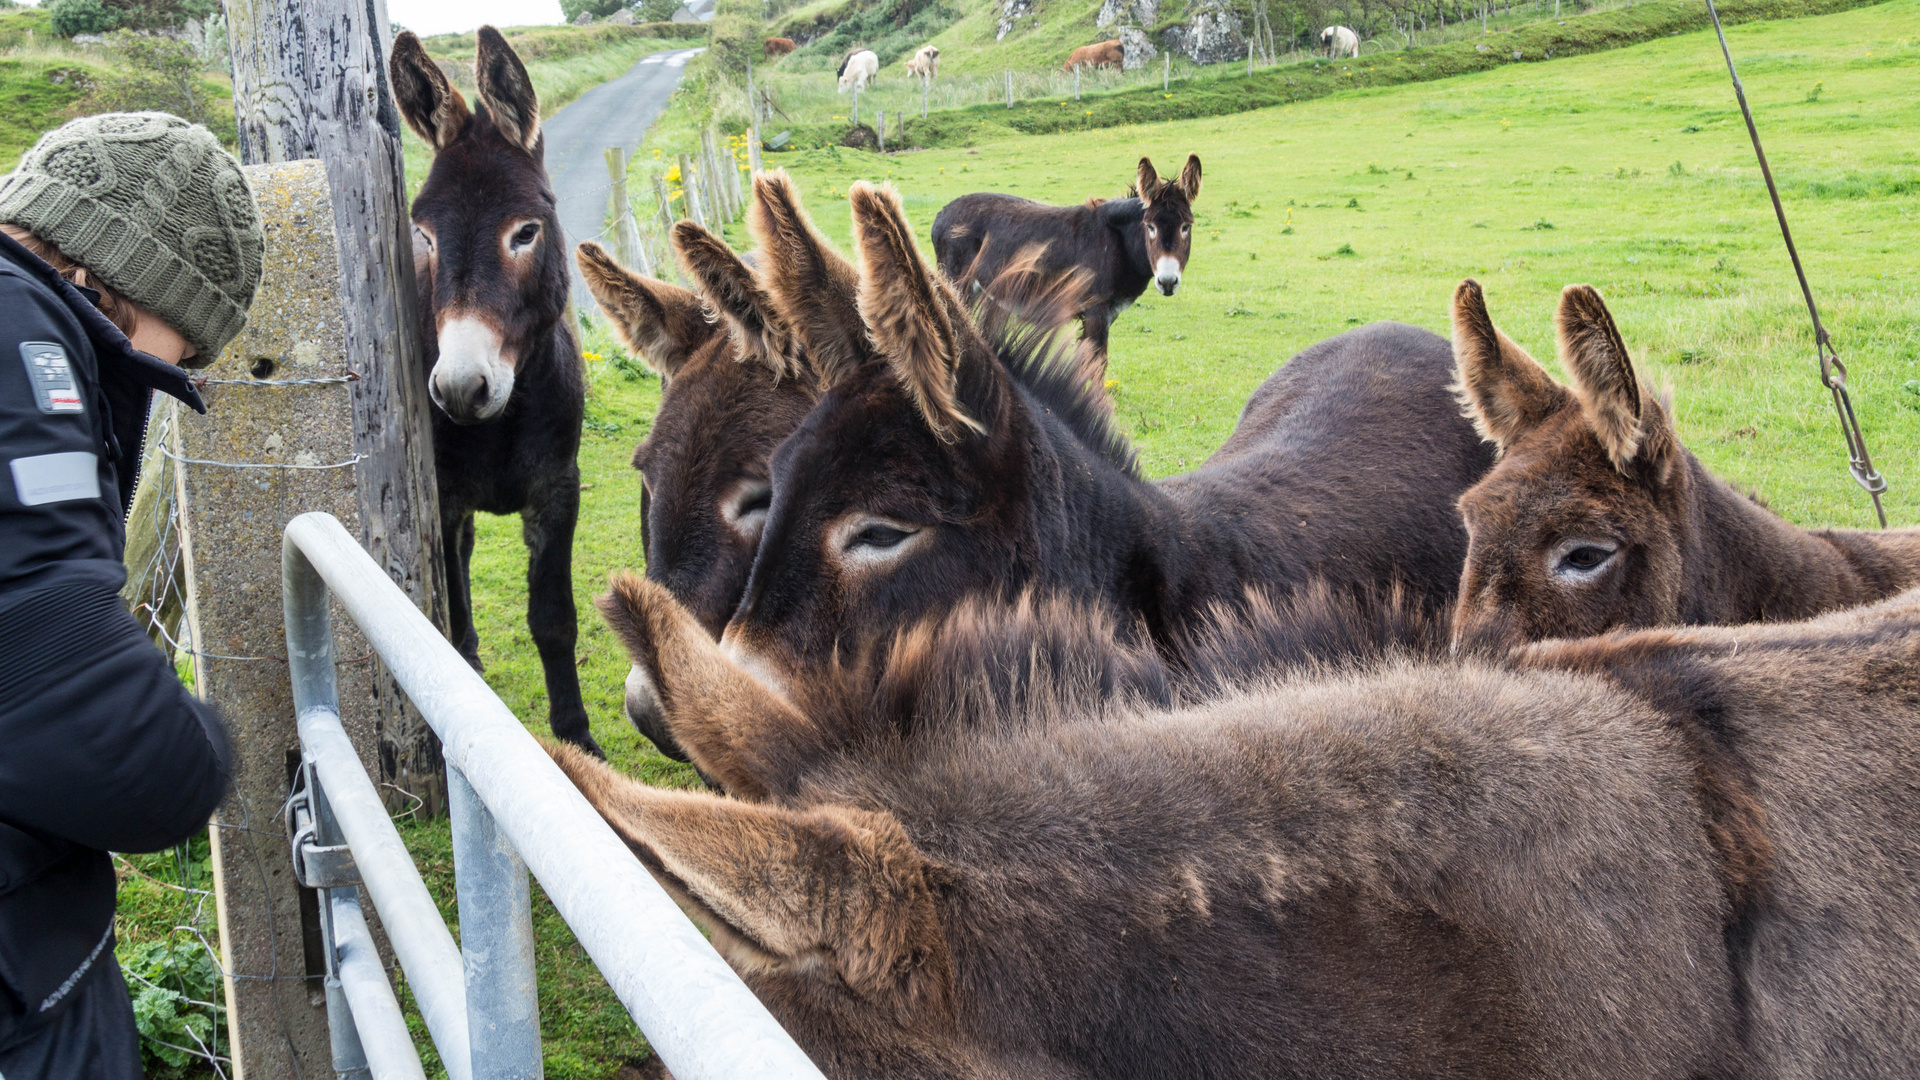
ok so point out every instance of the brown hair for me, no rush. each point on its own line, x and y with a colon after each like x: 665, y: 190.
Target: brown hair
x: 119, y: 311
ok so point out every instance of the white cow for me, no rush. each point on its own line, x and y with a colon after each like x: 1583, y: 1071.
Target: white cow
x: 1339, y: 41
x: 925, y: 64
x: 857, y: 69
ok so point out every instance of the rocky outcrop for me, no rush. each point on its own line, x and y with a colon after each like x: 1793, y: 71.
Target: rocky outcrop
x: 1213, y: 33
x: 1011, y: 12
x: 1136, y: 48
x: 1137, y: 12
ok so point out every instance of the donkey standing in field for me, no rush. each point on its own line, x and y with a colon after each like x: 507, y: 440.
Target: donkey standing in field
x: 1596, y: 517
x: 943, y: 460
x: 1421, y: 870
x: 505, y: 374
x: 706, y: 479
x: 1122, y: 245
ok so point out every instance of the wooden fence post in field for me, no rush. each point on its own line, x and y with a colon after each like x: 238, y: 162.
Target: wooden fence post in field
x: 1166, y: 70
x: 926, y: 90
x: 690, y: 186
x: 856, y: 106
x: 881, y: 117
x: 627, y: 246
x: 1076, y: 82
x: 753, y: 146
x: 1249, y: 56
x: 1009, y: 88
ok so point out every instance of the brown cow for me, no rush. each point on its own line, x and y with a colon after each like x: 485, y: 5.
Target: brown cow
x: 1105, y: 54
x: 780, y: 46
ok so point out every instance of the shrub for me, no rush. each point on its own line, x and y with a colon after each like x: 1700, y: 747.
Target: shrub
x: 161, y: 74
x: 176, y: 1004
x: 599, y: 9
x: 655, y: 10
x: 72, y: 17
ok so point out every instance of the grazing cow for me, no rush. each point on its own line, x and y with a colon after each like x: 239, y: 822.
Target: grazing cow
x: 778, y: 46
x: 1102, y: 54
x: 1120, y: 245
x: 858, y: 69
x: 704, y: 465
x: 1664, y: 854
x: 945, y: 459
x: 925, y: 64
x: 1596, y: 517
x: 1339, y: 41
x: 505, y: 378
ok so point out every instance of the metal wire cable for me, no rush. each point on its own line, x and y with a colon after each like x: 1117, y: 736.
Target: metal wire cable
x: 1833, y: 373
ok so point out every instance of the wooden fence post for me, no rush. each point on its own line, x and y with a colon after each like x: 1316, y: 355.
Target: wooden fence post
x: 689, y: 184
x: 926, y: 90
x: 1009, y: 88
x: 625, y: 233
x: 1166, y: 69
x: 1076, y: 82
x: 881, y: 116
x: 287, y: 110
x: 856, y: 106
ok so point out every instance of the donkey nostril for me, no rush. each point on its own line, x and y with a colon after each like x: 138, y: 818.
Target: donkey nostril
x: 482, y: 390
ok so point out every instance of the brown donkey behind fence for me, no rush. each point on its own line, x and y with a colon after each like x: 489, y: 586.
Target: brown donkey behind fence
x: 1596, y: 517
x: 1453, y: 869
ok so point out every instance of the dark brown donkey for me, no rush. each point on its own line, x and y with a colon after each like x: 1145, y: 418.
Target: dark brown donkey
x: 937, y: 465
x: 506, y: 380
x: 1428, y: 870
x: 1596, y: 517
x: 706, y: 480
x: 1121, y: 245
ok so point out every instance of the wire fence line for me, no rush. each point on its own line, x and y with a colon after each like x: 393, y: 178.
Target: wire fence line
x: 703, y: 185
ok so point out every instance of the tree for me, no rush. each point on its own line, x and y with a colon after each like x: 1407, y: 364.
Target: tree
x: 599, y: 9
x: 160, y: 74
x: 72, y: 17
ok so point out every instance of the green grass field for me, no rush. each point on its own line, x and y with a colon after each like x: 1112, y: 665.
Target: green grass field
x: 1628, y: 170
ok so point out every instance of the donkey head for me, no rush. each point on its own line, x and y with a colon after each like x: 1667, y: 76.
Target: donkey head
x: 828, y: 911
x: 1580, y: 525
x: 705, y: 479
x: 487, y: 246
x: 1166, y: 208
x: 907, y: 485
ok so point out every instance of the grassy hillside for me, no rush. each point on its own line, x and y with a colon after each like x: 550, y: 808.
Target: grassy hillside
x: 1628, y: 170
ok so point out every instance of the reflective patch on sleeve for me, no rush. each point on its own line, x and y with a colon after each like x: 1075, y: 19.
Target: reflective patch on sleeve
x: 52, y: 478
x: 54, y: 387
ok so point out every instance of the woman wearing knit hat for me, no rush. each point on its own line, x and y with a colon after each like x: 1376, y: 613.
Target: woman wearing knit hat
x: 129, y: 244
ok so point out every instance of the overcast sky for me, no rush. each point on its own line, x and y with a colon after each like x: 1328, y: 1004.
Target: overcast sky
x: 452, y: 16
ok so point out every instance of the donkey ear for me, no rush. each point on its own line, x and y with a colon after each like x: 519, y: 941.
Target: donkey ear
x: 1603, y: 378
x: 506, y: 90
x: 813, y: 286
x: 750, y: 739
x: 758, y: 332
x: 660, y: 323
x: 1146, y: 182
x: 790, y: 889
x: 1189, y: 181
x: 1505, y: 392
x: 434, y: 109
x: 901, y: 300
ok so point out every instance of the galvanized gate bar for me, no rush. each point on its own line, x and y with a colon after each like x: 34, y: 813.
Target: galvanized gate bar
x: 496, y: 939
x: 419, y: 935
x: 700, y: 1018
x: 377, y: 1020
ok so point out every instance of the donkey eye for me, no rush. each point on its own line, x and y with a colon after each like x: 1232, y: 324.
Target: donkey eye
x: 1152, y: 231
x: 1583, y: 559
x: 746, y: 511
x: 425, y: 238
x: 881, y: 537
x: 1185, y: 229
x: 525, y: 235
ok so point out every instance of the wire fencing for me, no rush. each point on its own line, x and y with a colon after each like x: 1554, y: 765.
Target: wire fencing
x: 704, y: 186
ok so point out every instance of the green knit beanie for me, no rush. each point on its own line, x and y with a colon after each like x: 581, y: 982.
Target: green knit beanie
x: 154, y: 207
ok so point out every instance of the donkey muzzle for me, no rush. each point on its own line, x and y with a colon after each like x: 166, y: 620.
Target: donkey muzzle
x: 472, y: 378
x: 1166, y: 274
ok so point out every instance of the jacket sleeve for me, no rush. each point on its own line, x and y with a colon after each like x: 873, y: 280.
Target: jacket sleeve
x: 99, y: 742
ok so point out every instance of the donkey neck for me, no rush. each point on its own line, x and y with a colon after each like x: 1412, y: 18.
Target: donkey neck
x: 1743, y: 563
x: 1106, y: 532
x: 1126, y: 220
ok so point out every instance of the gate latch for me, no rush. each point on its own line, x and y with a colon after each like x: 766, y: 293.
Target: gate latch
x: 315, y: 865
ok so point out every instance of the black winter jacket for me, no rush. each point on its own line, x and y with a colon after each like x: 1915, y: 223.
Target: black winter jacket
x: 101, y: 748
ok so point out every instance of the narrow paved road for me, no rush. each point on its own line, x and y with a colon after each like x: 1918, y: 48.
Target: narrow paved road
x: 615, y: 113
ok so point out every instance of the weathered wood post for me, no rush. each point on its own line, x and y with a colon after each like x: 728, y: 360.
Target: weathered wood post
x: 310, y: 81
x: 1009, y: 88
x: 689, y: 184
x: 1166, y: 70
x: 926, y: 90
x: 1076, y: 82
x: 856, y: 105
x: 881, y: 116
x: 626, y: 234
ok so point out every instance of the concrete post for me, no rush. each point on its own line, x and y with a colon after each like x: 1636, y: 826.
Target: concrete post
x: 269, y: 449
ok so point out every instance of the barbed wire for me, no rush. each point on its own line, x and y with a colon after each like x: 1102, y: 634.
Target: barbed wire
x: 315, y: 380
x: 354, y: 460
